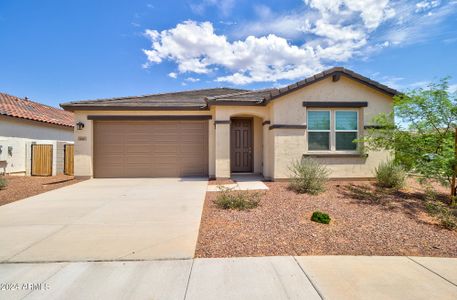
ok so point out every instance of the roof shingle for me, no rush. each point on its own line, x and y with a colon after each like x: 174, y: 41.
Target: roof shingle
x: 179, y: 100
x: 201, y: 99
x: 25, y: 109
x: 248, y: 97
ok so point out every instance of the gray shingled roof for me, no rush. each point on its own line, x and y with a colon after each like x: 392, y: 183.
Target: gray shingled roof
x: 336, y: 71
x: 261, y: 97
x: 247, y: 97
x: 180, y: 100
x: 201, y: 99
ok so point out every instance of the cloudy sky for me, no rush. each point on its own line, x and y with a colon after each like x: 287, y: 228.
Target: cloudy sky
x: 55, y: 51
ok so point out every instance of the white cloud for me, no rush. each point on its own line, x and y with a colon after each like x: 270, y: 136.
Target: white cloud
x: 289, y: 26
x: 336, y: 32
x: 195, y: 47
x: 372, y: 12
x: 453, y: 88
x: 414, y: 27
x: 425, y: 5
x: 192, y: 79
x: 173, y: 75
x: 293, y: 45
x: 353, y: 17
x: 225, y: 7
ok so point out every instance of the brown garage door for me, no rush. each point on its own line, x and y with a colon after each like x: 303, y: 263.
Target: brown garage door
x: 150, y: 148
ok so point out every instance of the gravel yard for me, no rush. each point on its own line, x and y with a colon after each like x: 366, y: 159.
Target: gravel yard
x: 365, y: 221
x: 20, y: 187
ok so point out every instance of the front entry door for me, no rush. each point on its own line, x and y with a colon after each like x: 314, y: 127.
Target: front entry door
x: 241, y: 145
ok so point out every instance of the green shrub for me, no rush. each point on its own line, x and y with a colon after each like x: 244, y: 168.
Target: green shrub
x: 449, y: 222
x: 390, y: 175
x: 320, y: 217
x: 308, y: 176
x: 447, y: 216
x: 239, y: 200
x: 435, y: 208
x: 3, y: 183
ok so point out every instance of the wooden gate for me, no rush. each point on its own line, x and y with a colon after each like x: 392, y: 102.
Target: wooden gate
x: 69, y: 154
x: 42, y: 160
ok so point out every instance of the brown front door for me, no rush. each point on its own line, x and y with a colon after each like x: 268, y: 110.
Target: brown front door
x: 241, y: 145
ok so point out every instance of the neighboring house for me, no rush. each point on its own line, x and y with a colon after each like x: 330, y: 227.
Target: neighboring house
x: 218, y: 132
x: 24, y: 122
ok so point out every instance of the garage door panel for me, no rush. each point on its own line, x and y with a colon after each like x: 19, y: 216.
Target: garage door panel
x: 112, y: 158
x: 192, y: 139
x: 192, y: 172
x: 165, y: 171
x: 145, y: 148
x: 138, y: 171
x: 141, y: 139
x: 110, y: 172
x: 162, y: 128
x: 150, y: 148
x: 138, y: 160
x: 191, y: 149
x: 113, y: 139
x: 164, y: 138
x: 166, y: 148
x: 165, y: 159
x: 117, y: 150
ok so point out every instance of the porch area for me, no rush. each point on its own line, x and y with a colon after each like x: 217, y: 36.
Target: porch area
x: 241, y: 143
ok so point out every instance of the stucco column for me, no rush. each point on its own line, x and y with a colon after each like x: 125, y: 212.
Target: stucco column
x: 83, y: 147
x: 222, y: 149
x: 266, y: 148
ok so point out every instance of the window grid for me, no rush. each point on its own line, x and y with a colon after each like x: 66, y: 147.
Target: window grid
x: 333, y: 131
x: 329, y: 131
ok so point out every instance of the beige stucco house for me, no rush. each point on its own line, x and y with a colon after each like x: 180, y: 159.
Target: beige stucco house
x: 219, y: 132
x: 23, y: 123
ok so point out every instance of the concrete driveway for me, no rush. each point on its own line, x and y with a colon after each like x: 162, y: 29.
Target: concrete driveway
x: 105, y: 219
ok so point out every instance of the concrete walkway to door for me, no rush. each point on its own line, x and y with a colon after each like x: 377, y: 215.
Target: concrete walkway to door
x: 105, y: 219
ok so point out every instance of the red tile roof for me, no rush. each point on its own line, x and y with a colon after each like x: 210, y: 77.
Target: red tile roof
x: 25, y: 109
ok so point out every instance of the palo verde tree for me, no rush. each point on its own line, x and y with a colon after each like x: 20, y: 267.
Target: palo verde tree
x: 422, y: 133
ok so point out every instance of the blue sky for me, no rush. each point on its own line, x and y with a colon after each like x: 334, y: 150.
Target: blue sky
x: 57, y: 51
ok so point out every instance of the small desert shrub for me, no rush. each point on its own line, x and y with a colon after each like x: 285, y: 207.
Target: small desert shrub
x: 320, y: 217
x: 308, y: 176
x: 449, y: 222
x: 239, y: 200
x: 446, y: 215
x: 390, y: 175
x: 3, y: 183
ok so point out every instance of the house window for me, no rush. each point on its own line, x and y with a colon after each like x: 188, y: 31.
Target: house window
x: 345, y: 130
x: 332, y: 130
x: 319, y: 130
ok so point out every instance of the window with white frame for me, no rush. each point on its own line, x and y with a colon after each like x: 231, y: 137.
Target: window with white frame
x: 332, y: 130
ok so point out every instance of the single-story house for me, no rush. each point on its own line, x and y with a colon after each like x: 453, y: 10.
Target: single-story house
x: 221, y: 131
x: 24, y: 122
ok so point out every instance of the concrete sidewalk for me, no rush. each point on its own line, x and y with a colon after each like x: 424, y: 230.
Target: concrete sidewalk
x: 324, y: 277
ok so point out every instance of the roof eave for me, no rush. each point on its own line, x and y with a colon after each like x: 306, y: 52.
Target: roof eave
x: 334, y: 71
x: 39, y: 121
x: 72, y: 107
x: 236, y: 103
